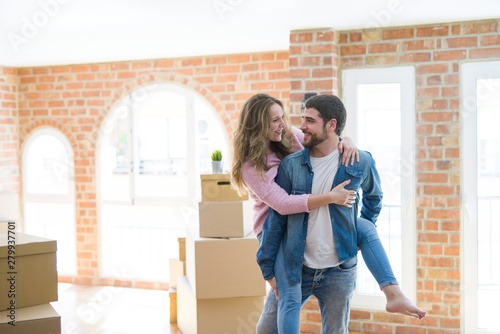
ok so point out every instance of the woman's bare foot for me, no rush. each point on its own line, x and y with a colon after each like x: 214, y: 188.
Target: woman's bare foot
x: 397, y: 302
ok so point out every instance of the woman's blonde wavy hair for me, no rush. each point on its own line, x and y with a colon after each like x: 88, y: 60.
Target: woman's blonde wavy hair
x: 249, y: 139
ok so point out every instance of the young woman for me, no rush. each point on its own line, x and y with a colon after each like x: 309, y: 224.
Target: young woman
x: 263, y: 137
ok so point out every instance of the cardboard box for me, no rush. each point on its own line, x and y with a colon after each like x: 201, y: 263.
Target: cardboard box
x: 223, y: 268
x: 177, y: 268
x: 33, y: 277
x: 39, y: 319
x: 172, y: 295
x: 225, y: 219
x: 220, y: 315
x: 182, y: 248
x: 217, y: 188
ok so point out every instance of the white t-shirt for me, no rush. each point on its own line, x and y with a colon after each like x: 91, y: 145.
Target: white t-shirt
x: 320, y: 251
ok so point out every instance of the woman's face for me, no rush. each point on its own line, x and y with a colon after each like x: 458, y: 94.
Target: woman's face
x: 276, y: 123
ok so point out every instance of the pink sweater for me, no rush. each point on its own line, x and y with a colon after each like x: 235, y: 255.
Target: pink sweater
x: 267, y: 193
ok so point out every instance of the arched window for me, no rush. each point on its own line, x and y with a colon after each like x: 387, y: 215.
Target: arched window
x: 49, y: 193
x: 153, y: 147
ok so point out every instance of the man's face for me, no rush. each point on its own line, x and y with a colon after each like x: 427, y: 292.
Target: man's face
x: 313, y: 128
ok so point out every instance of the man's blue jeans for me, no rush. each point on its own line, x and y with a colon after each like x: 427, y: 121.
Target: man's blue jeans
x: 333, y: 287
x: 373, y: 254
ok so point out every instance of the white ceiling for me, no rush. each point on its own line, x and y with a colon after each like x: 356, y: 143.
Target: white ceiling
x: 47, y: 32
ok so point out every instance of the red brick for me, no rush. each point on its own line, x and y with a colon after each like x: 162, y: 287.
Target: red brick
x: 450, y: 92
x: 278, y: 65
x: 308, y: 61
x: 382, y: 60
x: 398, y: 33
x: 239, y: 59
x: 229, y: 69
x: 436, y: 116
x: 164, y: 63
x: 360, y: 314
x: 444, y: 214
x: 489, y: 40
x: 434, y: 80
x: 319, y: 48
x: 480, y: 28
x: 383, y: 47
x: 354, y: 37
x: 325, y: 36
x: 427, y: 92
x: 319, y: 85
x: 462, y: 42
x: 263, y: 57
x: 450, y: 226
x: 432, y: 31
x: 484, y: 53
x: 343, y: 38
x: 439, y: 190
x: 300, y: 73
x: 352, y: 50
x: 376, y: 328
x: 410, y: 330
x: 449, y: 55
x: 432, y: 177
x: 322, y: 72
x: 450, y: 323
x: 433, y: 237
x: 351, y: 62
x: 417, y: 45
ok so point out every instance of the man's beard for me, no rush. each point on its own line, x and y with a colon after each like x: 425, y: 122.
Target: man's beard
x: 314, y: 140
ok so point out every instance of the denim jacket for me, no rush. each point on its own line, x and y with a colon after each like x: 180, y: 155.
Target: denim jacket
x: 295, y: 175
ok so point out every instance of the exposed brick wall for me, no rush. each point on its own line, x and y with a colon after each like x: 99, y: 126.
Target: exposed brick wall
x: 9, y: 140
x: 314, y: 64
x: 76, y: 98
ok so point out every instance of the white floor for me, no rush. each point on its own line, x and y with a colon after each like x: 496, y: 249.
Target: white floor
x: 110, y: 310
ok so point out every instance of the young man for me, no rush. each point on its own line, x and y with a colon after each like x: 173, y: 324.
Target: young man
x: 314, y: 254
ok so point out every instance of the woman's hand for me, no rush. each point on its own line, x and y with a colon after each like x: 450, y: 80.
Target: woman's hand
x: 274, y: 286
x: 350, y: 151
x: 341, y: 196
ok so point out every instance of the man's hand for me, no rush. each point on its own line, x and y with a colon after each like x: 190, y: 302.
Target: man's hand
x: 272, y: 283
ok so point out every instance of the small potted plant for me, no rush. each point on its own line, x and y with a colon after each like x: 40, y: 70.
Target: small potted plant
x: 216, y: 162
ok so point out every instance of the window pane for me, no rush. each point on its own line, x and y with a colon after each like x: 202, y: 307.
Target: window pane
x: 115, y: 160
x: 488, y: 201
x: 41, y: 220
x: 139, y: 240
x: 162, y: 145
x: 210, y: 137
x: 379, y: 132
x: 47, y: 166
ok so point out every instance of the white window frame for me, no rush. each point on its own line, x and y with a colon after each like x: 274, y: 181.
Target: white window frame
x: 470, y: 73
x: 52, y: 198
x: 405, y: 75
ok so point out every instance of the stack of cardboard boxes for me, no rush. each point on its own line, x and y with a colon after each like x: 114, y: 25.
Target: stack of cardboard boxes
x: 28, y: 282
x: 223, y: 290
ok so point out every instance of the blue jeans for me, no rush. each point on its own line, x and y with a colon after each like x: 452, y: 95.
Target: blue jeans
x: 268, y: 319
x: 373, y: 254
x: 333, y: 287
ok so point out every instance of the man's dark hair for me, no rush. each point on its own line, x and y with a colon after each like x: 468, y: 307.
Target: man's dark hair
x: 329, y: 107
